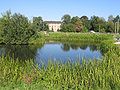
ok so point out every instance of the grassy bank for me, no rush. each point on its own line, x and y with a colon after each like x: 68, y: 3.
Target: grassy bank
x: 78, y: 36
x: 70, y: 37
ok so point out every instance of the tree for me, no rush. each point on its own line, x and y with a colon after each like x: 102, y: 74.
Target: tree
x: 77, y: 23
x: 45, y: 27
x: 117, y: 22
x: 98, y: 24
x: 71, y: 25
x: 68, y: 28
x: 37, y: 23
x: 65, y: 47
x: 75, y: 19
x: 66, y: 24
x: 94, y: 23
x: 86, y: 23
x: 110, y: 27
x: 15, y: 28
x: 110, y: 18
x: 66, y: 19
x: 116, y: 18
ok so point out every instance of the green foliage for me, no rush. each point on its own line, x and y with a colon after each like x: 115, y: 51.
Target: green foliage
x: 45, y: 27
x: 78, y: 37
x: 96, y: 74
x: 66, y: 19
x: 102, y: 74
x: 77, y: 23
x: 71, y: 25
x: 97, y: 23
x: 15, y: 28
x: 39, y: 25
x: 116, y: 18
x: 68, y: 28
x: 85, y: 29
x: 85, y: 22
x: 75, y: 19
x: 110, y: 27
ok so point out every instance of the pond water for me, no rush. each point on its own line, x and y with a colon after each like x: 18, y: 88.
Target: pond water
x: 52, y: 51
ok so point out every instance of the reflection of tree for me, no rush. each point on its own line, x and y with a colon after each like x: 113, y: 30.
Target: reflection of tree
x: 23, y: 52
x: 2, y: 51
x: 65, y: 47
x: 83, y: 47
x: 75, y: 47
x: 93, y: 48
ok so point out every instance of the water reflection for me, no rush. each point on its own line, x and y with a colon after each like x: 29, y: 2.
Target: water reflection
x: 22, y: 52
x: 52, y: 51
x: 63, y: 52
x: 83, y: 46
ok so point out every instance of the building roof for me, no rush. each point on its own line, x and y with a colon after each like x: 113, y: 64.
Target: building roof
x: 58, y: 22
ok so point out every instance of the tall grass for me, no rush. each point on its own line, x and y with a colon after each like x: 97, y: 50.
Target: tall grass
x: 70, y: 37
x: 103, y: 74
x: 78, y: 37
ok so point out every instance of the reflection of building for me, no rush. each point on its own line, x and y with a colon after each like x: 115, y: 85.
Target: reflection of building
x: 54, y: 25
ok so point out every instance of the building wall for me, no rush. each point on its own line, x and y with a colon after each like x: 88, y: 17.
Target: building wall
x: 54, y: 26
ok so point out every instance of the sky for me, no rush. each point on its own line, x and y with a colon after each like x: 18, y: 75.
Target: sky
x: 55, y: 9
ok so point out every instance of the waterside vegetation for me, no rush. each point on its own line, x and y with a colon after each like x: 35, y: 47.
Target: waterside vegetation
x: 16, y: 74
x: 93, y: 75
x: 16, y: 28
x: 71, y: 37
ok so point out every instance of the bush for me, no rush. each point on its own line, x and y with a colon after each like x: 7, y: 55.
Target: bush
x: 15, y: 29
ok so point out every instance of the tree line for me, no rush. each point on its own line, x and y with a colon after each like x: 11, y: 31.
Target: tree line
x: 95, y: 23
x: 18, y: 29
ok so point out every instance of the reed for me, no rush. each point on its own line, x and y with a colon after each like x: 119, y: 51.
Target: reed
x: 102, y: 74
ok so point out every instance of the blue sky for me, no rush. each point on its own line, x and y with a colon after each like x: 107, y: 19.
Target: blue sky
x: 55, y: 9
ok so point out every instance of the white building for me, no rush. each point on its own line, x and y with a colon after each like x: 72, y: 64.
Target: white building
x: 54, y: 25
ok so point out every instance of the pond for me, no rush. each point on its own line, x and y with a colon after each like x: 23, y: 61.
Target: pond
x: 52, y: 51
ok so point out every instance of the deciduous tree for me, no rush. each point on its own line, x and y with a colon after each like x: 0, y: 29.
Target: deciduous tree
x: 15, y: 28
